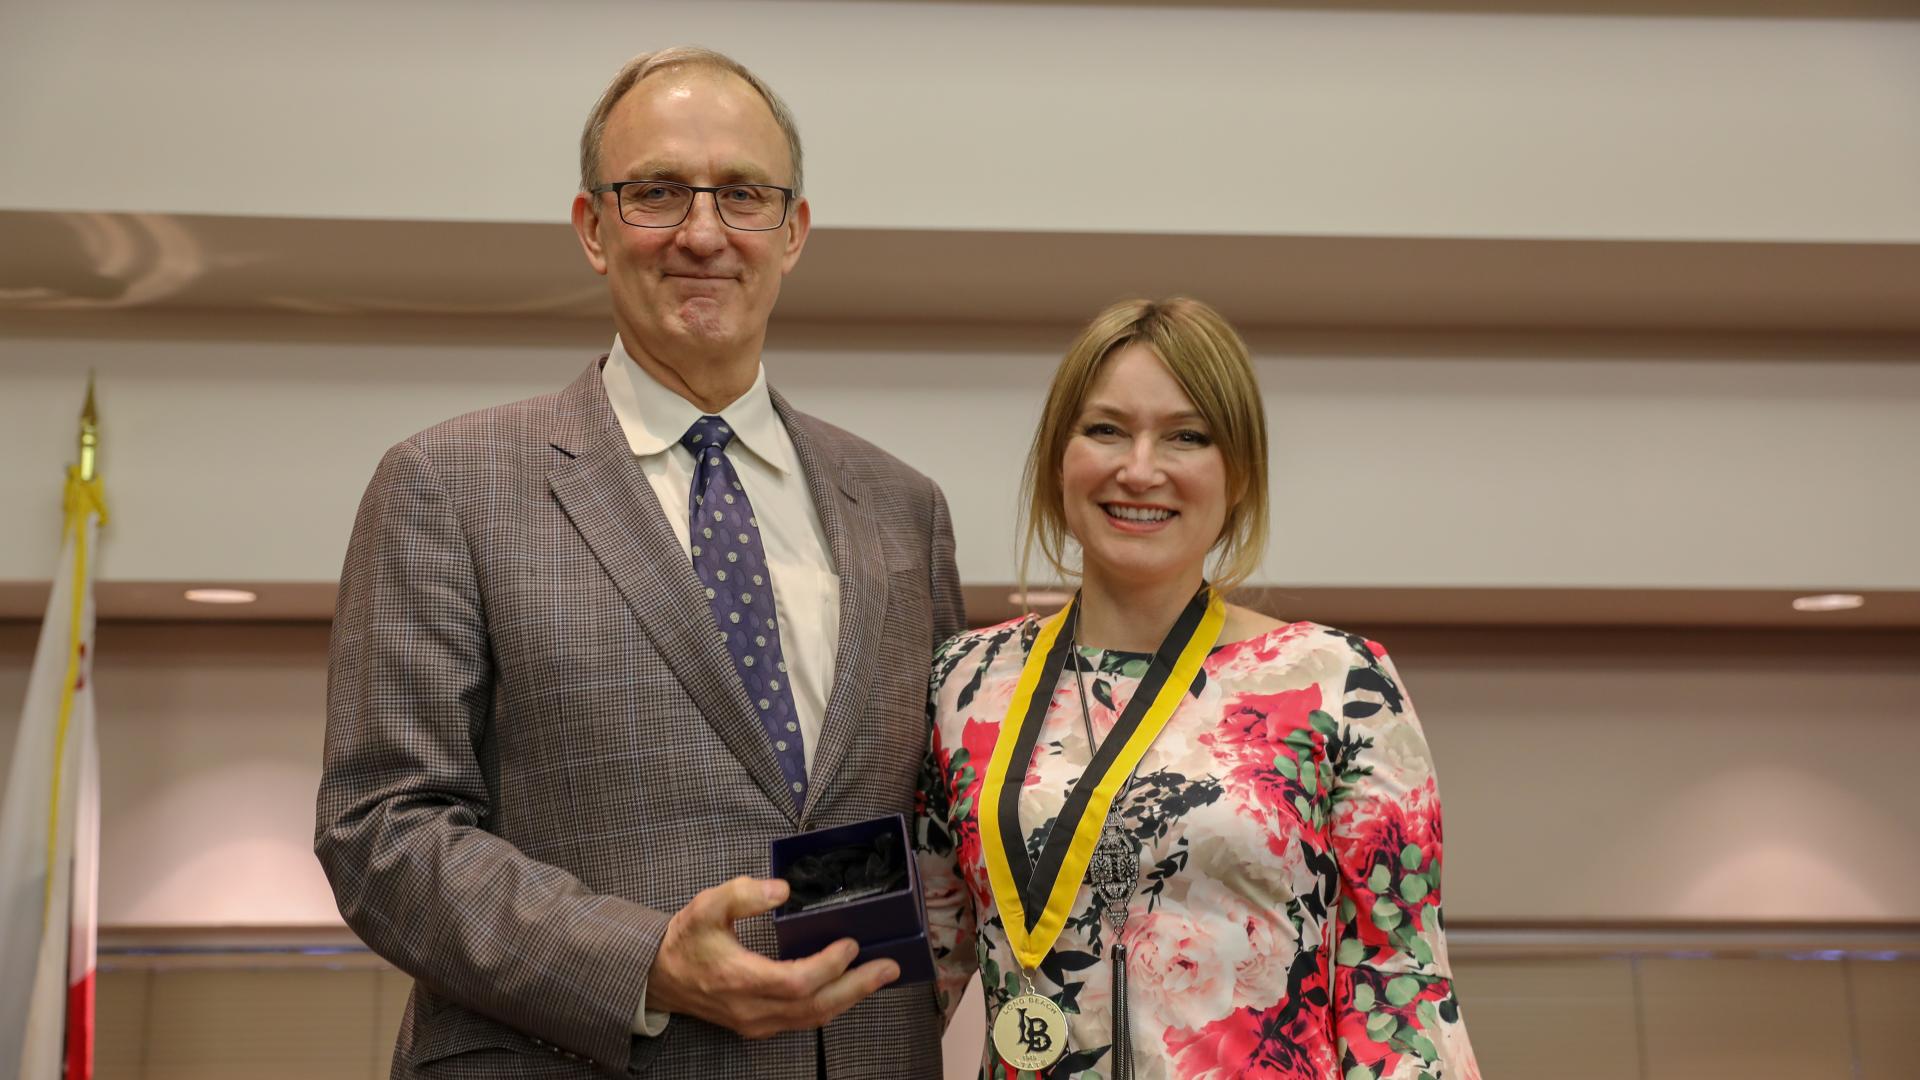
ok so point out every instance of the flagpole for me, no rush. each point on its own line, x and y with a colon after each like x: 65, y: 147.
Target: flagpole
x: 84, y: 885
x: 89, y: 434
x: 49, y: 846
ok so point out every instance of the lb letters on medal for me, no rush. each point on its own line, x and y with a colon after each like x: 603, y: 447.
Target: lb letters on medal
x: 1030, y: 1033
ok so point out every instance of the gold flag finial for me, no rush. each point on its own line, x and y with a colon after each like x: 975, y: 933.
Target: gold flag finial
x: 89, y: 434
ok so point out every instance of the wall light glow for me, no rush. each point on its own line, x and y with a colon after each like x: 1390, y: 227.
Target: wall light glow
x: 221, y: 596
x: 1040, y: 598
x: 1829, y: 602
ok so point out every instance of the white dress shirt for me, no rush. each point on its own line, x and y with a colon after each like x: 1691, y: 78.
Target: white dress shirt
x: 806, y: 590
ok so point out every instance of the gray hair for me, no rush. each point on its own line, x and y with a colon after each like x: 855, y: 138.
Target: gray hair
x: 646, y: 64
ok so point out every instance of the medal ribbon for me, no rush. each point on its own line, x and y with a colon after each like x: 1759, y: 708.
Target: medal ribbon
x: 1034, y: 900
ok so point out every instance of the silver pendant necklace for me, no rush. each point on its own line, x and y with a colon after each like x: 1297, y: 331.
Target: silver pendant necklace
x: 1114, y: 876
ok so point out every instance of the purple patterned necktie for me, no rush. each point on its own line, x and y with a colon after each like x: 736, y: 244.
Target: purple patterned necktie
x: 732, y: 564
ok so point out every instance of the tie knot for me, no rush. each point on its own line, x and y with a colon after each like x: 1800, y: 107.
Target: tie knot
x: 707, y: 433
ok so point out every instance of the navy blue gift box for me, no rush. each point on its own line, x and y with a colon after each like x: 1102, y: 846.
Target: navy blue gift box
x: 889, y: 925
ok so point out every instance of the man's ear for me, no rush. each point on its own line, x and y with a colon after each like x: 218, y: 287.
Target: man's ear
x: 799, y: 224
x: 586, y: 226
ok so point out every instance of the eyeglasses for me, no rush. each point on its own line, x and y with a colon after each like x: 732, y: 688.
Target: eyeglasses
x: 662, y: 204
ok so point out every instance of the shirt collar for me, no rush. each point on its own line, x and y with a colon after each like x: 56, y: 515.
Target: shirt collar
x: 654, y: 417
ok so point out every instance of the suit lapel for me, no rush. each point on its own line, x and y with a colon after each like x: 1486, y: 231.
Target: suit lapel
x: 846, y: 516
x: 607, y: 497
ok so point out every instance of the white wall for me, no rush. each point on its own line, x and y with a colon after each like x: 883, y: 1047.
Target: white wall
x: 1657, y: 775
x: 237, y: 451
x: 995, y: 115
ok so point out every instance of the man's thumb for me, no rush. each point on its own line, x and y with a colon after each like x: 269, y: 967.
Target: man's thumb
x: 745, y: 897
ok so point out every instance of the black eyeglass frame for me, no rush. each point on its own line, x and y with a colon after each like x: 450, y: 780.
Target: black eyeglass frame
x: 693, y: 192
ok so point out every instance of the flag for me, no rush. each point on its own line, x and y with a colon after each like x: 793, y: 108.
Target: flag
x: 50, y: 818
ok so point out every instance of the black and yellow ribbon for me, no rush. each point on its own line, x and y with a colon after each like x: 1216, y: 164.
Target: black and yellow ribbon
x: 1035, y: 898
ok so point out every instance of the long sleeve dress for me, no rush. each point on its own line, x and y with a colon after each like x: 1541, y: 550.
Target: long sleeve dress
x: 1287, y: 921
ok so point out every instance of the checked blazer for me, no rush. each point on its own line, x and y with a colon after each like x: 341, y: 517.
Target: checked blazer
x: 538, y: 749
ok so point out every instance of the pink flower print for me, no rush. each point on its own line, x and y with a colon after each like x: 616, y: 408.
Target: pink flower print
x: 1178, y: 975
x: 1269, y: 741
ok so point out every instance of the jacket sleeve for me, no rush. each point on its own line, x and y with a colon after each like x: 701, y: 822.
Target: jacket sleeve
x: 402, y: 818
x: 949, y: 605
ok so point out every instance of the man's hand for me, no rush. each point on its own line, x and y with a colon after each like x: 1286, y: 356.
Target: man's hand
x: 702, y: 969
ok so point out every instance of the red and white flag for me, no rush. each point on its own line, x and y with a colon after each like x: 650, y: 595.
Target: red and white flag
x: 50, y: 828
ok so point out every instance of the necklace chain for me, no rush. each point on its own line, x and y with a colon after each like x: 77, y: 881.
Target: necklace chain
x: 1080, y: 678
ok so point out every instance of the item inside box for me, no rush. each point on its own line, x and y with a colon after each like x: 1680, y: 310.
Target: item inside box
x: 844, y: 874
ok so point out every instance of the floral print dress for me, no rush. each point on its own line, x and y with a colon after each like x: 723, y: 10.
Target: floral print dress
x: 1287, y: 922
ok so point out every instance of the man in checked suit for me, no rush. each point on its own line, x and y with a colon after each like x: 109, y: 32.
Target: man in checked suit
x: 595, y: 649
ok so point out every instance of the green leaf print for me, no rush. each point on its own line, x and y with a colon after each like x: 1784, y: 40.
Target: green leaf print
x: 1284, y: 765
x: 1410, y: 857
x: 1402, y: 990
x: 1401, y: 939
x: 1413, y: 888
x: 1347, y: 910
x: 1380, y: 1026
x: 1380, y: 879
x: 1363, y: 998
x: 1308, y: 778
x: 1421, y: 951
x: 1361, y: 1072
x: 1429, y: 1016
x: 1351, y: 953
x: 1134, y: 669
x: 1323, y: 722
x: 1423, y: 1046
x: 1103, y: 693
x: 1386, y: 913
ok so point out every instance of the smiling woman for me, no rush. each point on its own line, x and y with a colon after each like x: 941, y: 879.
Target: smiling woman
x: 1170, y: 384
x: 1214, y: 848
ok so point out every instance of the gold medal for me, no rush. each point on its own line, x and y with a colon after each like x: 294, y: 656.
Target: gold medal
x: 1030, y: 1033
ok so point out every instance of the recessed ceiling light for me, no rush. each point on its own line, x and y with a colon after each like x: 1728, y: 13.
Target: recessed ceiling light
x: 1829, y: 602
x: 1039, y: 598
x: 221, y: 596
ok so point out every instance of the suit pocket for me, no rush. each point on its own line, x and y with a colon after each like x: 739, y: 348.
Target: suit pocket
x: 452, y: 1031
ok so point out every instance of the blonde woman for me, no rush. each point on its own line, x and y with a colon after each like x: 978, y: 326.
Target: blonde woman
x: 1178, y: 838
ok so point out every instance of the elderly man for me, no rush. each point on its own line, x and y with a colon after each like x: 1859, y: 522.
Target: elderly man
x: 595, y: 649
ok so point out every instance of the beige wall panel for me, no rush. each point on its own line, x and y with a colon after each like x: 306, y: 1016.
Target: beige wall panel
x: 1745, y: 1020
x: 1569, y: 1019
x: 1372, y: 122
x: 1429, y: 460
x: 120, y: 1025
x: 1885, y: 996
x: 243, y: 1025
x: 1671, y: 774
